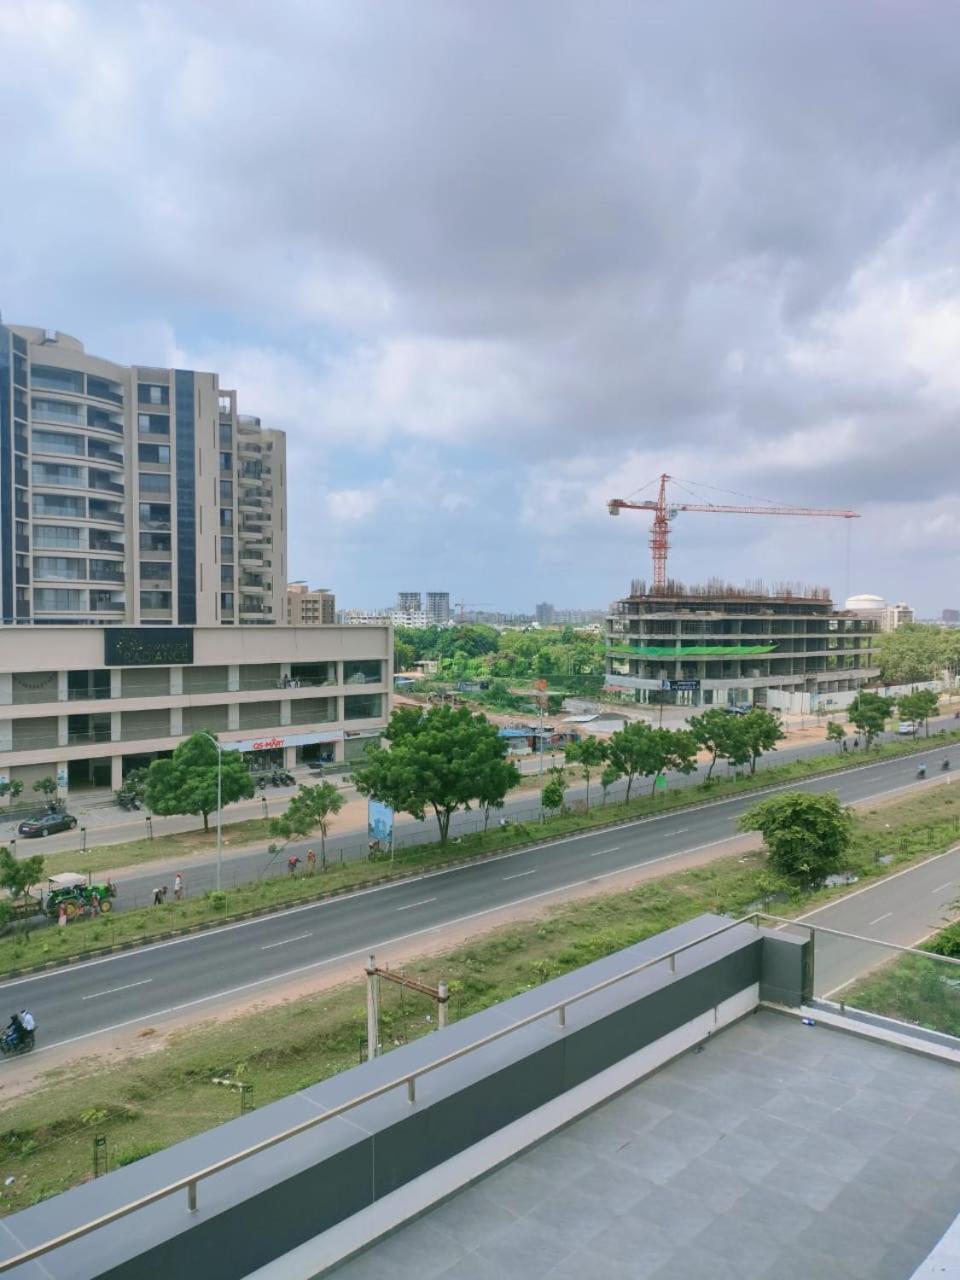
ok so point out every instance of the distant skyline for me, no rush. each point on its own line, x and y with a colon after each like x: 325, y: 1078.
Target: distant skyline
x: 489, y: 265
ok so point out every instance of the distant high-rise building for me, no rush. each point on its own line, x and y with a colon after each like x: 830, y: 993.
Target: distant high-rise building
x: 950, y: 615
x: 895, y: 615
x: 310, y: 607
x: 132, y: 494
x: 409, y: 601
x: 438, y: 608
x: 545, y: 614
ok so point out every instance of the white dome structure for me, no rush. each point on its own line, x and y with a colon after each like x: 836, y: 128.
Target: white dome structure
x: 866, y: 606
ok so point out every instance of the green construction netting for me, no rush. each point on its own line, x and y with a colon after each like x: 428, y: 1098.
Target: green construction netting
x: 692, y: 651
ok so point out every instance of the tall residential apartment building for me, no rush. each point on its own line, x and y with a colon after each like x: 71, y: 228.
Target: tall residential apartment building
x: 409, y: 602
x: 310, y: 607
x: 133, y: 495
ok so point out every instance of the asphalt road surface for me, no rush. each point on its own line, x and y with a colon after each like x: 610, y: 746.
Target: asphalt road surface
x: 136, y: 987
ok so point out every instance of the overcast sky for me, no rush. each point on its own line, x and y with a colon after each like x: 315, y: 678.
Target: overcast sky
x: 492, y: 262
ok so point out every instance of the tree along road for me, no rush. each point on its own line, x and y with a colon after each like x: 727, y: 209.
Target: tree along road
x: 139, y: 986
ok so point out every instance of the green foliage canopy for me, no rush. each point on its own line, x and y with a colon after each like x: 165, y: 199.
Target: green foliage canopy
x: 442, y: 759
x: 637, y: 750
x: 807, y: 835
x: 187, y: 781
x: 309, y: 810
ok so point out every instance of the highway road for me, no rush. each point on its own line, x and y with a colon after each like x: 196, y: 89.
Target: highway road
x: 136, y: 987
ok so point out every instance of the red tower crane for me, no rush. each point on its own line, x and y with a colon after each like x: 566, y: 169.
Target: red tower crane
x: 664, y: 511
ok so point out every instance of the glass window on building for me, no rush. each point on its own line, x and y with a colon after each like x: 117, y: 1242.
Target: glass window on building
x: 57, y: 410
x: 226, y: 461
x: 153, y: 424
x: 59, y: 567
x: 52, y: 600
x: 57, y: 442
x: 226, y: 548
x: 226, y: 601
x: 363, y: 671
x: 58, y: 473
x: 48, y: 504
x: 104, y: 389
x: 226, y: 492
x: 61, y: 536
x: 151, y: 393
x: 362, y: 706
x: 155, y: 482
x: 155, y: 599
x: 226, y: 518
x: 226, y: 435
x: 226, y: 575
x: 155, y: 515
x: 158, y: 454
x: 155, y: 542
x: 46, y: 377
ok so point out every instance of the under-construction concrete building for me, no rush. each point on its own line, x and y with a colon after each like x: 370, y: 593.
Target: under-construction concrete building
x: 787, y: 648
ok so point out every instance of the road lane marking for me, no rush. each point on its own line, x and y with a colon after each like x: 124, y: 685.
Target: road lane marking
x: 940, y: 888
x: 299, y: 938
x: 599, y: 853
x: 422, y: 903
x: 517, y: 875
x: 679, y: 831
x: 869, y: 888
x: 885, y: 916
x: 113, y: 990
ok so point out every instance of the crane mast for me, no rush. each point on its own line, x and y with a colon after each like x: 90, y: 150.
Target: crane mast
x: 663, y: 513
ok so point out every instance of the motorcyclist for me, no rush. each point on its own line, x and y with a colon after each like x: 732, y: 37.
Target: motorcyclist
x: 922, y: 770
x: 27, y: 1021
x: 945, y: 766
x: 16, y: 1030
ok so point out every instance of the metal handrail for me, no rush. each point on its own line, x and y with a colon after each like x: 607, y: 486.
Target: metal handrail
x: 190, y: 1181
x: 814, y: 929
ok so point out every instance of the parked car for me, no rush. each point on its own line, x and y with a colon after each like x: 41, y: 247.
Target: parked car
x: 906, y: 727
x: 46, y: 824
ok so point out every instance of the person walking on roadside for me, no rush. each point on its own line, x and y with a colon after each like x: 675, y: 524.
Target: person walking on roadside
x: 62, y: 917
x: 292, y: 863
x: 311, y: 862
x: 94, y: 903
x: 178, y: 887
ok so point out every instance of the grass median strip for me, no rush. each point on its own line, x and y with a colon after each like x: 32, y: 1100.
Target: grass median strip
x: 24, y: 949
x: 46, y: 1139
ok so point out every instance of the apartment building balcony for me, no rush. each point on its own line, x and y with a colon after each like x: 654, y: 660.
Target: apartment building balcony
x: 102, y: 543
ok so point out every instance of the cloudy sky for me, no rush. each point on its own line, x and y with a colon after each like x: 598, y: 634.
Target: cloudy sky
x: 490, y: 263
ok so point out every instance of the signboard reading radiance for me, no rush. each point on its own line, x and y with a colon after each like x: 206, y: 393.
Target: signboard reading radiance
x: 147, y: 646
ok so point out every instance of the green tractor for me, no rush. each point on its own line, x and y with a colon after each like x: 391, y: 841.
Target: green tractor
x: 76, y: 894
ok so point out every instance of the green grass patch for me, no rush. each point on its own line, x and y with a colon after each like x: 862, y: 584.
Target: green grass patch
x: 46, y: 1139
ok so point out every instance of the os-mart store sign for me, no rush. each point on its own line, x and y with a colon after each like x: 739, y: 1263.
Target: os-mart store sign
x: 291, y: 740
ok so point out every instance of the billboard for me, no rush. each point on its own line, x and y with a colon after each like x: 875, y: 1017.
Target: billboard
x: 379, y: 823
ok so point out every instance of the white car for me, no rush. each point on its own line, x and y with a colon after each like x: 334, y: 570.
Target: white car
x: 906, y: 727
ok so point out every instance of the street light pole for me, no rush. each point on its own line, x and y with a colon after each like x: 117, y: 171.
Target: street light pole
x: 219, y: 802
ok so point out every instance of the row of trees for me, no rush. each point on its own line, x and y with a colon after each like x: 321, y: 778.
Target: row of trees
x: 918, y: 651
x: 869, y: 713
x: 476, y: 651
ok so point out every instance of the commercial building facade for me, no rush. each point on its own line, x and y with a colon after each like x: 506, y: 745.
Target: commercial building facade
x: 133, y: 494
x: 727, y: 646
x: 87, y: 704
x: 310, y: 607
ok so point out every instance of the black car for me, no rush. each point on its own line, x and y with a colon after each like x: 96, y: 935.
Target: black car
x: 46, y: 824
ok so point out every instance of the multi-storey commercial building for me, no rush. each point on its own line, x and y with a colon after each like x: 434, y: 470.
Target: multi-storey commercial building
x: 87, y: 704
x: 723, y: 645
x: 308, y: 607
x: 133, y: 495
